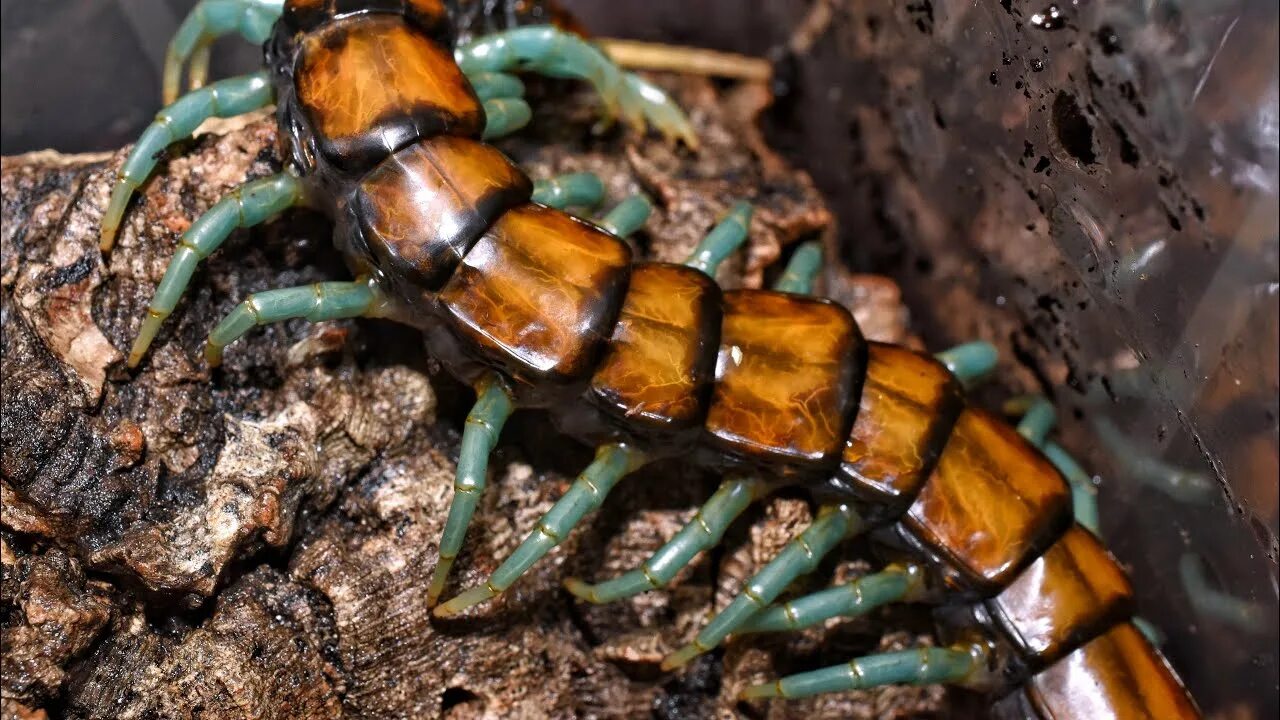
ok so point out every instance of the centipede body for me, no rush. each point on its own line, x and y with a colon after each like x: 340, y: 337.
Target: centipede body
x: 384, y: 131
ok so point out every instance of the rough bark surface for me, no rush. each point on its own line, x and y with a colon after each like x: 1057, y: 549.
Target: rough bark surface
x: 254, y: 542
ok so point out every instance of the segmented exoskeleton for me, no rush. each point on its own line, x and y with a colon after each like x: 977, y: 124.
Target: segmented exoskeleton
x: 384, y: 131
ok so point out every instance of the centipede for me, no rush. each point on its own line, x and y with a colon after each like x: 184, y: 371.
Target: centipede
x: 385, y: 123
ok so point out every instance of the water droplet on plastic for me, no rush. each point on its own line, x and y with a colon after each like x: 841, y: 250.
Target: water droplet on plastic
x: 1051, y: 18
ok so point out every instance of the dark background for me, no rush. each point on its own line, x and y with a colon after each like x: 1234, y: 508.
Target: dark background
x: 85, y: 75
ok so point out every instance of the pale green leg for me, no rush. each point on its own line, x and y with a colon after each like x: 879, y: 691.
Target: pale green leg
x: 723, y: 239
x: 496, y: 85
x: 801, y: 270
x: 198, y: 66
x: 800, y: 556
x: 662, y: 112
x: 1213, y: 603
x: 207, y: 21
x: 246, y: 206
x: 586, y: 494
x: 970, y: 362
x: 921, y: 666
x: 1084, y: 494
x: 1153, y: 634
x: 854, y: 598
x: 1182, y: 484
x: 316, y: 302
x: 552, y: 52
x: 504, y: 116
x: 627, y: 216
x: 178, y: 121
x: 1038, y: 418
x: 493, y: 406
x: 581, y: 189
x: 703, y: 531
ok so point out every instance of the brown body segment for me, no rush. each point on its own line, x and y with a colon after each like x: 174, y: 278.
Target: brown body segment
x: 909, y: 404
x: 371, y: 84
x: 420, y: 210
x: 990, y: 505
x: 538, y: 294
x: 788, y: 373
x: 1117, y: 675
x: 661, y: 359
x: 1072, y: 592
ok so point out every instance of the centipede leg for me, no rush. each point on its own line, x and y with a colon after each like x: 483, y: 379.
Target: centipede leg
x: 627, y: 216
x: 1213, y: 603
x: 580, y: 189
x: 723, y: 239
x: 207, y: 21
x: 970, y: 362
x: 178, y: 121
x: 662, y: 112
x: 703, y: 531
x: 503, y: 97
x: 490, y: 85
x: 316, y: 302
x: 198, y: 66
x: 504, y: 116
x: 1084, y: 494
x: 246, y: 206
x: 552, y: 52
x: 587, y: 493
x: 802, y: 555
x: 856, y: 597
x: 1182, y: 484
x: 1038, y: 419
x: 801, y: 269
x: 484, y: 423
x: 920, y: 666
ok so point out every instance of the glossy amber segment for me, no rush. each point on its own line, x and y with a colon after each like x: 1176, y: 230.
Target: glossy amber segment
x: 990, y: 505
x: 787, y: 377
x: 539, y: 293
x: 372, y: 84
x: 1117, y: 675
x: 1067, y: 596
x: 909, y: 403
x: 661, y: 359
x: 421, y: 209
